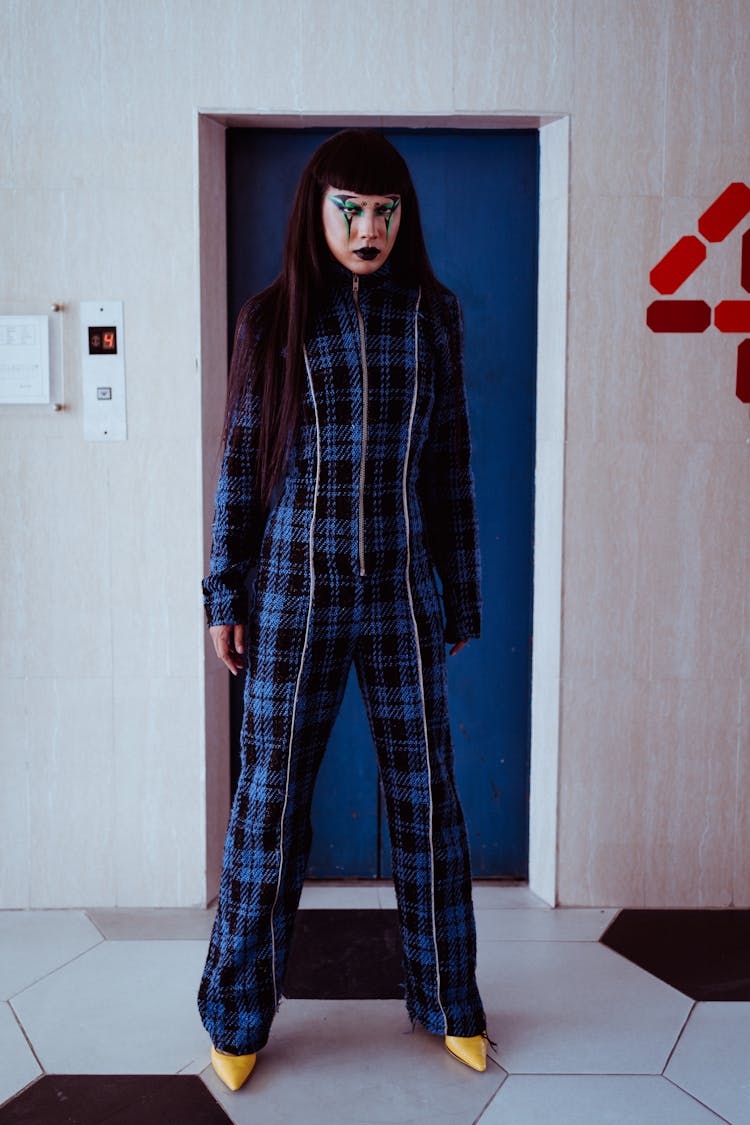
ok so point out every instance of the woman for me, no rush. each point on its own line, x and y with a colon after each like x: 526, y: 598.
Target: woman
x: 346, y: 475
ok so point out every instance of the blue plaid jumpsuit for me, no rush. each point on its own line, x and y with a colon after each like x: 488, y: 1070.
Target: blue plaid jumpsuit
x: 375, y: 494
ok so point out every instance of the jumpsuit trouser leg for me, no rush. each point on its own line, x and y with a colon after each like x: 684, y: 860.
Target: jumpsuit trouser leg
x: 298, y: 666
x: 299, y: 651
x: 401, y: 667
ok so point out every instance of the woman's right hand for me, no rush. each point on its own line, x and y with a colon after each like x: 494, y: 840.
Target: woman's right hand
x: 229, y: 645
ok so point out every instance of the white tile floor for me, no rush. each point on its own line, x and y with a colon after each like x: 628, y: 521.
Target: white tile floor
x: 584, y: 1036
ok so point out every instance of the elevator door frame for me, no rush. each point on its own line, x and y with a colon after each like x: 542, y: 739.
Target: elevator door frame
x: 211, y: 299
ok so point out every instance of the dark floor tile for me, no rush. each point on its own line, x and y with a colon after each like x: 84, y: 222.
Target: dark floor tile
x: 345, y: 955
x: 703, y: 953
x: 115, y: 1099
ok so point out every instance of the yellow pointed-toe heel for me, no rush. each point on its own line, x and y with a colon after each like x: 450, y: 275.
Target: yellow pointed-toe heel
x: 233, y: 1070
x: 471, y: 1050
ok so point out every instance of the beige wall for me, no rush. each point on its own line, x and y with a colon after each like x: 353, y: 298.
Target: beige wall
x: 101, y: 652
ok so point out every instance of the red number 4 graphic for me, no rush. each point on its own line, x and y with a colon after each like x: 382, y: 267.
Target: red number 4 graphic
x: 686, y: 255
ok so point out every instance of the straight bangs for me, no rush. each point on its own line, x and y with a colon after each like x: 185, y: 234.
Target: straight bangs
x: 364, y: 162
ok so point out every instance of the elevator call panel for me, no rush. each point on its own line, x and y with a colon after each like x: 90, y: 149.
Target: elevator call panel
x: 103, y: 363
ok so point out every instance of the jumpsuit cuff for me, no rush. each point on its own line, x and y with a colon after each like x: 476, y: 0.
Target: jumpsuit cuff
x: 227, y: 610
x: 462, y: 628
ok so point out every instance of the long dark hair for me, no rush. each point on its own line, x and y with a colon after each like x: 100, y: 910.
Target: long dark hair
x: 271, y: 327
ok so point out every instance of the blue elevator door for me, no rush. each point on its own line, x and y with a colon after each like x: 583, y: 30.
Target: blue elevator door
x: 479, y: 194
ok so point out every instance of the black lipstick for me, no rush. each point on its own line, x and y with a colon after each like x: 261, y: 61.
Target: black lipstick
x: 367, y: 253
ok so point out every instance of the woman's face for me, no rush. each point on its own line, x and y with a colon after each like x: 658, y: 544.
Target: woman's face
x: 360, y: 230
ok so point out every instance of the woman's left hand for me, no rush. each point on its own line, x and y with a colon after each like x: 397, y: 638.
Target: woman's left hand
x: 458, y: 646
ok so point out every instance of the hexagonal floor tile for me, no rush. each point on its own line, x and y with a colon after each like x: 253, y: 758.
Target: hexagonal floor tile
x: 525, y: 1099
x: 704, y: 953
x: 58, y: 1099
x: 572, y: 1007
x: 34, y: 942
x: 124, y: 1007
x: 712, y: 1058
x: 325, y: 1057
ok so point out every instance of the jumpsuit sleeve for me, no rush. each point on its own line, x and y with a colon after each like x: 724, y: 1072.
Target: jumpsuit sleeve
x: 448, y: 488
x: 238, y: 522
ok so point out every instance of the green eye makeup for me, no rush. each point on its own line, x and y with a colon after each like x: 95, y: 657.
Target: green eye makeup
x: 349, y: 209
x: 389, y: 210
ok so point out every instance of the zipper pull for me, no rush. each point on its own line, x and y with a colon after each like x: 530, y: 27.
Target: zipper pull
x: 355, y: 283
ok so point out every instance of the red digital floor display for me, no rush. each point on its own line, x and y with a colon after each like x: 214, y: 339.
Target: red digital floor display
x: 684, y: 258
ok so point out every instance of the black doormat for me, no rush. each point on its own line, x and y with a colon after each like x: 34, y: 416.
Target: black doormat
x: 114, y: 1099
x: 345, y: 955
x: 704, y: 953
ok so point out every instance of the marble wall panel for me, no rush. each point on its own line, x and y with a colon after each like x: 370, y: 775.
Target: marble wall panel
x: 58, y: 129
x: 7, y: 164
x: 649, y: 557
x: 6, y: 146
x: 15, y: 835
x: 695, y: 389
x: 66, y: 553
x: 248, y: 56
x: 148, y: 124
x: 707, y: 108
x: 666, y: 754
x: 14, y: 500
x: 158, y: 815
x: 156, y: 600
x: 691, y: 757
x: 693, y: 542
x: 393, y: 58
x: 620, y: 93
x: 72, y: 790
x: 514, y: 55
x: 32, y: 235
x: 6, y: 97
x: 611, y: 388
x: 602, y: 837
x: 607, y: 593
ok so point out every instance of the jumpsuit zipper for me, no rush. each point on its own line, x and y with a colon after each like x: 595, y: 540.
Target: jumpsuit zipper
x: 360, y: 321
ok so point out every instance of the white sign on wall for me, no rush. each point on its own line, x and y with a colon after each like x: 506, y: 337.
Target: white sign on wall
x: 24, y: 359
